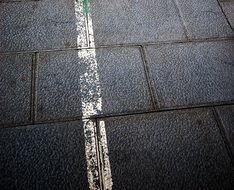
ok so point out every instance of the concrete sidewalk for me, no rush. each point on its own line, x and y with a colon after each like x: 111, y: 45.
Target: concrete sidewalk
x: 127, y: 94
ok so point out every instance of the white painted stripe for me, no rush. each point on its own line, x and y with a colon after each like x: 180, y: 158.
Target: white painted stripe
x: 106, y: 170
x: 92, y: 105
x: 91, y: 155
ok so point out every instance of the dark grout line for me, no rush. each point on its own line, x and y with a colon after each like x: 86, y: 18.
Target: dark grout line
x: 181, y: 19
x: 32, y: 100
x: 153, y: 96
x: 170, y: 42
x: 224, y: 135
x: 179, y: 108
x: 220, y: 6
x: 104, y: 116
x: 46, y: 50
x: 88, y: 137
x: 34, y: 87
x: 64, y: 120
x: 87, y: 30
x: 16, y: 125
x: 99, y: 155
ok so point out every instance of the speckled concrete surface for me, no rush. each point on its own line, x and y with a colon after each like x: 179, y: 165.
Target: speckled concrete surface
x: 126, y: 94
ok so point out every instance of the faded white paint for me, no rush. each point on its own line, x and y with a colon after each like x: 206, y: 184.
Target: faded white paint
x: 106, y: 171
x: 92, y: 105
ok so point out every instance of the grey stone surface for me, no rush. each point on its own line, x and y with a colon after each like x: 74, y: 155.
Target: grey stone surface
x: 170, y: 150
x: 204, y: 19
x: 226, y: 114
x: 45, y: 24
x: 122, y: 80
x: 113, y: 77
x: 228, y: 8
x: 58, y: 85
x: 124, y: 21
x: 192, y: 73
x: 50, y: 156
x: 15, y: 88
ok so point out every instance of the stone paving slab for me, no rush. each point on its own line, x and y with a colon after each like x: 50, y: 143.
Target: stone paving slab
x: 15, y: 88
x: 204, y: 19
x: 192, y: 73
x: 170, y: 150
x: 122, y: 78
x: 124, y: 21
x: 227, y: 117
x: 50, y: 156
x: 180, y: 149
x: 228, y: 8
x: 66, y: 78
x: 58, y: 85
x: 38, y: 25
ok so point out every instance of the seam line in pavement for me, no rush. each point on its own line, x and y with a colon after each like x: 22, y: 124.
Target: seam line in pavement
x: 90, y: 87
x: 223, y: 134
x: 181, y: 19
x: 117, y: 115
x: 204, y: 40
x: 89, y: 127
x: 153, y: 97
x: 99, y: 155
x: 224, y: 14
x: 33, y: 87
x: 105, y: 169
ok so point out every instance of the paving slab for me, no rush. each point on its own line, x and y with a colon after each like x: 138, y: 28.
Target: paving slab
x: 49, y: 156
x: 58, y: 85
x: 39, y: 25
x: 169, y: 150
x: 124, y: 21
x: 15, y: 88
x: 204, y: 19
x: 192, y: 73
x: 228, y: 8
x: 122, y: 79
x: 226, y: 114
x: 111, y: 80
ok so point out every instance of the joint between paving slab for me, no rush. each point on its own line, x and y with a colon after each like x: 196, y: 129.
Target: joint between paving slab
x: 224, y: 135
x: 181, y: 19
x: 34, y: 87
x: 89, y: 127
x: 79, y: 118
x: 105, y: 169
x: 99, y: 153
x: 225, y: 16
x: 153, y: 96
x: 87, y: 30
x: 202, y: 40
x: 166, y: 42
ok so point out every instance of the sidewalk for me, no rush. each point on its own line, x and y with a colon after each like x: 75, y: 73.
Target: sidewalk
x: 127, y: 94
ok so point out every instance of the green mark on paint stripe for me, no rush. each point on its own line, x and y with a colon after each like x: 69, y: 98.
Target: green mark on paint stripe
x: 85, y: 6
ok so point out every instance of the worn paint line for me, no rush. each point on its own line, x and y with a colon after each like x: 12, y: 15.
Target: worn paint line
x: 106, y: 169
x: 91, y: 99
x: 91, y: 154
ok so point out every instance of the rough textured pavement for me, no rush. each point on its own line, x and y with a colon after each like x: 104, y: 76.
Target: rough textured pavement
x: 126, y: 94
